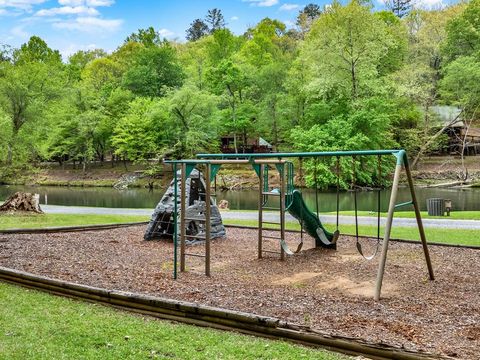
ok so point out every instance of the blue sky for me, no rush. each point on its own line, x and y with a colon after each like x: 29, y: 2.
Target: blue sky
x: 71, y: 25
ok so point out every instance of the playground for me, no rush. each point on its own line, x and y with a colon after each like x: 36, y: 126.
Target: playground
x: 330, y: 291
x: 408, y: 295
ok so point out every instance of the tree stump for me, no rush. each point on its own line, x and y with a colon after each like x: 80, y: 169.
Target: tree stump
x: 21, y: 201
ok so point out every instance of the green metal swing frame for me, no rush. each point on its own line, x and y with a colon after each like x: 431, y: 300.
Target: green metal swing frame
x: 212, y: 162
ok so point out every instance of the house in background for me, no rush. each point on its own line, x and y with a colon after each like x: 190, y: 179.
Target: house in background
x: 248, y: 145
x: 457, y: 131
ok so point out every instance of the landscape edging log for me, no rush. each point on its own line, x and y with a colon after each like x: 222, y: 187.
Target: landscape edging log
x: 211, y: 316
x: 70, y: 228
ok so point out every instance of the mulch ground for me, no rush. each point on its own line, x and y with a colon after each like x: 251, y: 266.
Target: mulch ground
x: 328, y: 290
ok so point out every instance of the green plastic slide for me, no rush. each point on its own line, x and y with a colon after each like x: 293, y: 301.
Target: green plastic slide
x: 310, y: 222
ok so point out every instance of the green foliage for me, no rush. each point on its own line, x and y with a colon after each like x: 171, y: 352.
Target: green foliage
x: 463, y: 32
x: 347, y: 78
x: 134, y: 135
x: 344, y: 51
x: 155, y: 70
x: 461, y: 82
x: 36, y: 50
x: 147, y: 37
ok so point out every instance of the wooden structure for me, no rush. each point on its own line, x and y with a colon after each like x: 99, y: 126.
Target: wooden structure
x: 245, y: 145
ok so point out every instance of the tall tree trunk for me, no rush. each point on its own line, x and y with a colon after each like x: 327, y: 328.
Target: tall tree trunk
x: 275, y: 127
x: 234, y: 119
x: 9, y: 154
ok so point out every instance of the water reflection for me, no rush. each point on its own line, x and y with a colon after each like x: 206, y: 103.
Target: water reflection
x: 463, y: 199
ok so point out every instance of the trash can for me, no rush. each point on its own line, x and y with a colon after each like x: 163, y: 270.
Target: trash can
x: 436, y: 207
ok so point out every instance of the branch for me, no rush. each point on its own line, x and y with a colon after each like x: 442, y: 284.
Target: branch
x: 432, y: 139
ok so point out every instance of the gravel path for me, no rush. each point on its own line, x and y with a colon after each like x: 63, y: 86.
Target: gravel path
x: 328, y: 290
x: 253, y: 215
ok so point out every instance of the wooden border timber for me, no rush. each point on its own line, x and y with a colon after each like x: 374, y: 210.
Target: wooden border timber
x: 60, y: 229
x: 212, y: 317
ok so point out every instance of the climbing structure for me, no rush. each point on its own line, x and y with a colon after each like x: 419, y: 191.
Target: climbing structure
x: 161, y: 223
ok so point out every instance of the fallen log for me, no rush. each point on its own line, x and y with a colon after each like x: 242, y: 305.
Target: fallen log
x: 449, y: 184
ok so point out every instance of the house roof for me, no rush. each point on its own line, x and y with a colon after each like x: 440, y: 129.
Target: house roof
x: 446, y: 114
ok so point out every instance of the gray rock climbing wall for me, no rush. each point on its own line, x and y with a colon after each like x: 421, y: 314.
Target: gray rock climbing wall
x: 161, y: 222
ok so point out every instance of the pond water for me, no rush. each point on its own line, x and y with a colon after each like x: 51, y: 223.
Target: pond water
x: 462, y: 199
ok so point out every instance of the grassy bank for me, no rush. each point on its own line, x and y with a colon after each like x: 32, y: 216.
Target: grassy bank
x: 25, y: 221
x: 36, y: 325
x: 446, y: 236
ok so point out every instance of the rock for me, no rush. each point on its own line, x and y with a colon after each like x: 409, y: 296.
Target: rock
x: 223, y: 204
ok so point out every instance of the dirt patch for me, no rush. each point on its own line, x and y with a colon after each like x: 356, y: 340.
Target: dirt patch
x: 298, y: 278
x: 325, y: 289
x: 349, y: 286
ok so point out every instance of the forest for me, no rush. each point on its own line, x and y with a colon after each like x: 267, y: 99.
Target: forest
x: 344, y: 77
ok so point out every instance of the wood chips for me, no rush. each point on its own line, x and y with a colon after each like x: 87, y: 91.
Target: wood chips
x: 331, y: 291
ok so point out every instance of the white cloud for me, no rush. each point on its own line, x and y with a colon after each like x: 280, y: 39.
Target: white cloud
x: 71, y: 2
x: 93, y: 3
x: 289, y: 23
x: 68, y: 10
x: 24, y: 5
x: 289, y: 7
x: 262, y: 3
x: 100, y: 2
x: 90, y: 24
x: 234, y: 18
x: 166, y: 33
x: 428, y: 4
x: 19, y: 32
x: 422, y: 4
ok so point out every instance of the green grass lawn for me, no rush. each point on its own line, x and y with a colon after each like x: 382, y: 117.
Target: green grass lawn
x: 446, y: 236
x: 35, y: 325
x: 455, y: 215
x: 52, y: 220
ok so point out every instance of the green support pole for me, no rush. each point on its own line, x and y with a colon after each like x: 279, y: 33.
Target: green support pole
x: 175, y: 227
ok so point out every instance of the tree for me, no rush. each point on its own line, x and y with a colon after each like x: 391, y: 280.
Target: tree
x: 102, y: 73
x: 198, y: 29
x: 463, y: 33
x: 148, y: 37
x: 228, y: 79
x: 134, y: 135
x: 263, y: 45
x: 215, y: 20
x: 307, y: 16
x: 196, y: 119
x: 399, y: 7
x: 154, y: 71
x: 78, y: 61
x: 344, y: 50
x: 461, y: 82
x: 223, y: 46
x: 27, y: 87
x: 36, y: 50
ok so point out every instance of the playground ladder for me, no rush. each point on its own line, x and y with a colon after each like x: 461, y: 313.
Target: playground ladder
x: 284, y: 195
x: 206, y: 220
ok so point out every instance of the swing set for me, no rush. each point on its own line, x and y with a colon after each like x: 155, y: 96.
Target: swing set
x: 291, y: 200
